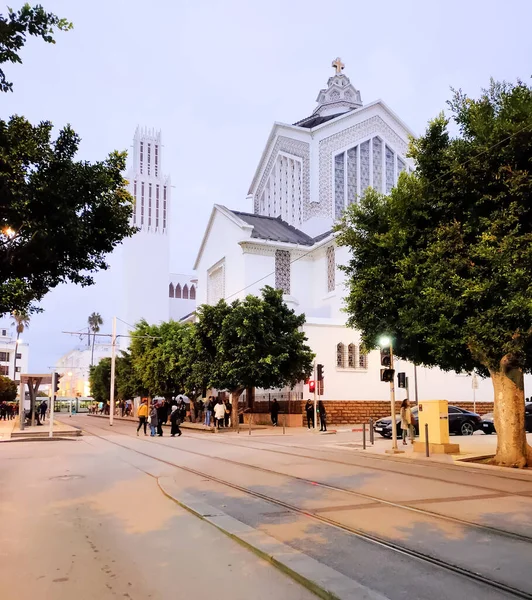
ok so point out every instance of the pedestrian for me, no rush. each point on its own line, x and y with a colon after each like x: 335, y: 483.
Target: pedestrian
x: 219, y: 414
x: 153, y: 420
x: 309, y: 409
x: 42, y: 409
x: 162, y: 417
x: 174, y: 420
x: 274, y: 411
x: 323, y: 416
x: 227, y: 415
x: 3, y: 410
x: 142, y: 414
x: 198, y: 407
x: 182, y: 409
x: 406, y: 421
x: 209, y: 407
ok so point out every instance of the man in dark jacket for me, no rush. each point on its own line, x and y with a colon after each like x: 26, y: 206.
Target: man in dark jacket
x: 162, y: 416
x: 309, y: 409
x: 323, y: 416
x: 274, y: 411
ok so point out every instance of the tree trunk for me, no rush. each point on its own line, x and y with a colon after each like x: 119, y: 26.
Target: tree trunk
x: 509, y: 417
x: 235, y: 395
x: 15, y: 360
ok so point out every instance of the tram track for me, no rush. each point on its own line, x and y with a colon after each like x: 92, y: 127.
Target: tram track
x: 316, y: 516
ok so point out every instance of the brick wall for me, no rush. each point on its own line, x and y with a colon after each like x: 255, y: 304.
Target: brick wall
x: 346, y: 412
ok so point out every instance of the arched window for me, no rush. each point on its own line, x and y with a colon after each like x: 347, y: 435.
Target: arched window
x: 340, y: 356
x: 192, y: 292
x: 178, y: 290
x: 171, y: 290
x: 362, y: 360
x: 185, y: 291
x: 351, y: 356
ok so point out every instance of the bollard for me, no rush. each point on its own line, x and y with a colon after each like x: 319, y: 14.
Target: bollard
x: 427, y: 454
x: 363, y: 436
x: 371, y: 432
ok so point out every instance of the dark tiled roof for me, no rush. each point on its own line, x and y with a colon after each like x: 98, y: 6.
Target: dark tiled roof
x: 274, y: 229
x: 322, y: 236
x: 314, y: 121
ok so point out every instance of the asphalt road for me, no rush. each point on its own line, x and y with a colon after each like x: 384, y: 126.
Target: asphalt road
x: 297, y: 489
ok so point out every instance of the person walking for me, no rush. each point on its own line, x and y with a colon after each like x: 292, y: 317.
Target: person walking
x: 406, y: 421
x: 162, y: 417
x: 309, y: 409
x: 209, y: 408
x: 142, y: 414
x: 219, y: 414
x: 153, y: 419
x: 323, y: 416
x: 198, y: 407
x: 227, y: 416
x: 174, y: 420
x: 274, y: 412
x: 42, y: 409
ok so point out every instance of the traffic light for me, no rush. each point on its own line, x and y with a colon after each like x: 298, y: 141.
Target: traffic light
x: 386, y: 357
x: 401, y: 380
x: 320, y: 372
x: 387, y: 375
x: 311, y: 386
x: 56, y: 380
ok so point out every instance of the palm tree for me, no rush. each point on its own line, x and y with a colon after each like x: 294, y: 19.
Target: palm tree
x: 94, y: 321
x: 21, y: 321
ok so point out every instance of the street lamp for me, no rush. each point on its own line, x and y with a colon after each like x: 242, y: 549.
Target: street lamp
x: 385, y: 342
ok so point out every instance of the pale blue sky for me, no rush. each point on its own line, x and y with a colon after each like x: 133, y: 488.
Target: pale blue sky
x: 215, y: 75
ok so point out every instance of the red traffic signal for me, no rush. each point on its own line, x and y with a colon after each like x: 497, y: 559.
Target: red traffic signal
x: 311, y: 385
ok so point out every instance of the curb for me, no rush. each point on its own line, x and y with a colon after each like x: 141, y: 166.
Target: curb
x: 317, y: 577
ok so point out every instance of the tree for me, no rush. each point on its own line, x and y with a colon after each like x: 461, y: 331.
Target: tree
x: 17, y: 25
x: 8, y: 389
x: 58, y: 217
x: 255, y: 342
x: 443, y: 264
x: 100, y: 380
x: 94, y: 321
x: 21, y: 321
x: 158, y: 357
x: 128, y: 383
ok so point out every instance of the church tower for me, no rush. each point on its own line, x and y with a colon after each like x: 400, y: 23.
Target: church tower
x: 146, y: 255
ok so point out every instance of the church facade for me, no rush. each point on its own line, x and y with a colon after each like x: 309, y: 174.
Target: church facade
x: 309, y: 172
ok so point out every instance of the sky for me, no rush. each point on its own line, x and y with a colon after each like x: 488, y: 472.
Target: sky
x: 214, y: 76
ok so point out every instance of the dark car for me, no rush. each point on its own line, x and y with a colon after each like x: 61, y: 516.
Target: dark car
x: 461, y: 422
x: 488, y: 425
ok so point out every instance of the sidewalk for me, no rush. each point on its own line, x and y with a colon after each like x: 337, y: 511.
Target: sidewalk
x: 10, y: 430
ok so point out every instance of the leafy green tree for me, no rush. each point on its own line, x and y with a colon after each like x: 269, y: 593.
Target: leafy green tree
x: 58, y: 217
x: 94, y: 321
x: 8, y: 389
x: 128, y: 383
x: 100, y: 380
x: 158, y: 357
x: 443, y: 263
x: 17, y: 25
x: 255, y: 342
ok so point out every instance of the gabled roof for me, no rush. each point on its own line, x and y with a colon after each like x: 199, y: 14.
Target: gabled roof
x: 274, y: 229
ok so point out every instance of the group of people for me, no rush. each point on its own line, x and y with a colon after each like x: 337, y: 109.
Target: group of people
x: 7, y: 411
x: 158, y: 414
x: 217, y: 411
x: 321, y: 414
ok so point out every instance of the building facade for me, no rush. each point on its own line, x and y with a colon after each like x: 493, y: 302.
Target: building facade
x: 74, y: 368
x: 307, y: 175
x: 12, y: 350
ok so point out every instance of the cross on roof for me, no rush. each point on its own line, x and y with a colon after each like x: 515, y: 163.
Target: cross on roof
x: 338, y: 65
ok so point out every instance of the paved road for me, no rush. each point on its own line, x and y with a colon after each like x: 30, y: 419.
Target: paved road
x: 311, y: 496
x: 78, y: 521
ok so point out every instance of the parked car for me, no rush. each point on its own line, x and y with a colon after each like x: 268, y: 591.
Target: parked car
x: 488, y: 426
x: 461, y: 422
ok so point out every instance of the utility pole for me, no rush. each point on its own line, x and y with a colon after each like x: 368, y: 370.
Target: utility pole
x: 315, y: 400
x: 392, y: 401
x: 113, y: 364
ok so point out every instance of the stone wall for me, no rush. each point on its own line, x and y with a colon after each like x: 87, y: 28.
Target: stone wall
x: 347, y: 412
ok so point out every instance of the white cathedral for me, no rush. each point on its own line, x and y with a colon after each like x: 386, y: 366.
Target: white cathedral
x: 307, y: 174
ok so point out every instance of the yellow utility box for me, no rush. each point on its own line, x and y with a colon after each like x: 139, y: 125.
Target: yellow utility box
x: 435, y: 414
